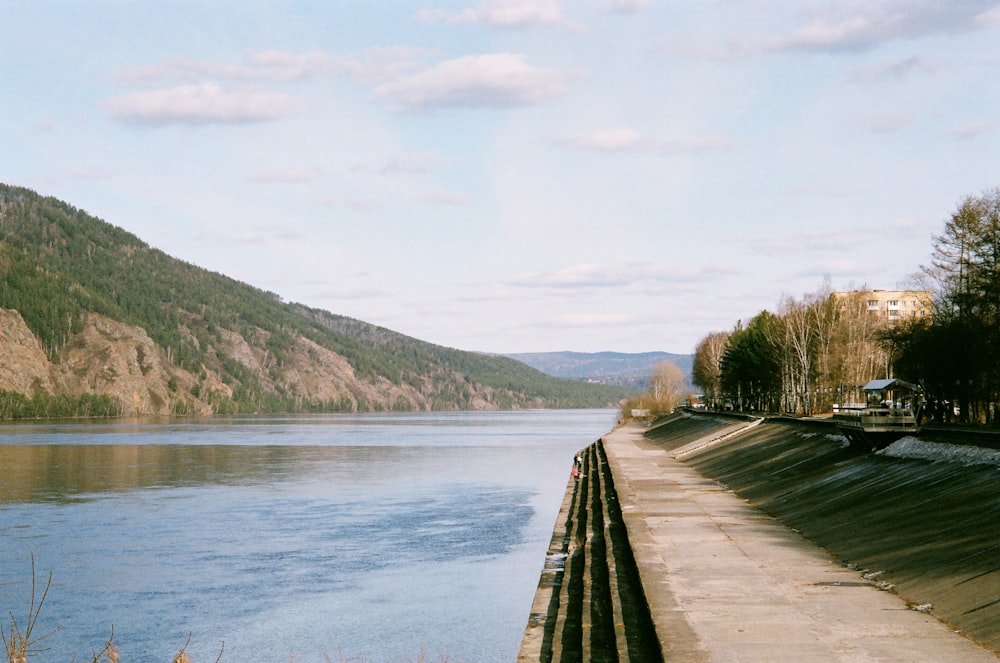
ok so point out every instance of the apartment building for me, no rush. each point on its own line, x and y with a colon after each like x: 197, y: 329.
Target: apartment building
x: 890, y: 306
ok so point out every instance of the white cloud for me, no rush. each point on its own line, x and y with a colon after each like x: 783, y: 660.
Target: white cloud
x: 692, y: 145
x: 905, y: 224
x: 381, y: 64
x: 628, y: 6
x: 288, y: 175
x: 842, y: 268
x: 967, y: 131
x: 851, y: 32
x: 496, y: 80
x: 597, y: 276
x: 608, y: 140
x: 502, y: 14
x: 353, y: 204
x: 258, y: 236
x: 444, y: 198
x: 863, y: 25
x: 91, y: 173
x: 256, y: 67
x: 888, y: 122
x: 411, y: 164
x: 282, y: 66
x: 352, y: 293
x: 810, y: 242
x: 990, y: 17
x: 577, y: 276
x: 590, y: 320
x: 627, y: 139
x: 892, y: 71
x: 204, y: 103
x: 187, y: 91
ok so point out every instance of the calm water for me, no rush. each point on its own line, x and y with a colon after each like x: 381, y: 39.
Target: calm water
x: 375, y: 537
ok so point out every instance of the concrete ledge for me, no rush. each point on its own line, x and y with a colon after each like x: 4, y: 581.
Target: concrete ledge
x: 590, y: 603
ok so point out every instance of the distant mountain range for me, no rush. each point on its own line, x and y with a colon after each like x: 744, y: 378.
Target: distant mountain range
x: 630, y: 370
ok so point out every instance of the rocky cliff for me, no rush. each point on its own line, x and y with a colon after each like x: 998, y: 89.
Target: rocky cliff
x: 24, y: 368
x: 121, y: 361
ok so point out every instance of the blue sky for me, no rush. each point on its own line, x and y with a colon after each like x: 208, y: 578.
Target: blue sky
x: 515, y: 175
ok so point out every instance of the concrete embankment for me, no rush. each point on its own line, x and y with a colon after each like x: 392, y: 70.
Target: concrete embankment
x: 926, y: 527
x: 770, y: 540
x: 589, y: 605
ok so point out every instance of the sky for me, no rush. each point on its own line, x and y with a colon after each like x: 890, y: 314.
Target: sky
x: 515, y: 175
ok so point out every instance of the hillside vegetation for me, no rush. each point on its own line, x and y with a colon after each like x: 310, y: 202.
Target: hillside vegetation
x: 98, y: 322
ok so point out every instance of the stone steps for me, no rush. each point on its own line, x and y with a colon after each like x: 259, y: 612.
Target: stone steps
x: 590, y: 605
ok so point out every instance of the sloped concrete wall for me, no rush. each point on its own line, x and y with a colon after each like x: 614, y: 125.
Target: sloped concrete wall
x: 926, y: 528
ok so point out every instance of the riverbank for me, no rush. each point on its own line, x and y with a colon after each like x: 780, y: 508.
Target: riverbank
x: 888, y: 557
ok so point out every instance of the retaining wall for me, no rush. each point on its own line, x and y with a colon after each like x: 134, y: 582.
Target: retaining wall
x: 927, y: 529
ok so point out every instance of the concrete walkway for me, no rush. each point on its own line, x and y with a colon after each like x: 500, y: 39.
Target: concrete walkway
x: 724, y: 582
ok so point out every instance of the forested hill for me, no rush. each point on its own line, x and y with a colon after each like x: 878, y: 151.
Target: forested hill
x: 96, y: 322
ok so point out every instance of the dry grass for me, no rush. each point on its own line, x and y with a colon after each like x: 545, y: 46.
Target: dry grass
x: 182, y: 656
x: 21, y: 641
x: 18, y: 644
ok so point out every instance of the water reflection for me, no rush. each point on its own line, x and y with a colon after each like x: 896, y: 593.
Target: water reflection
x: 35, y: 473
x: 384, y: 535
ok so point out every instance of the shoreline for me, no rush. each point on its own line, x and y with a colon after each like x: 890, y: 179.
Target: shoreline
x: 722, y: 579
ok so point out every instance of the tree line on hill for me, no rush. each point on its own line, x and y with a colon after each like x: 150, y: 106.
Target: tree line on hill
x: 819, y: 350
x: 58, y: 265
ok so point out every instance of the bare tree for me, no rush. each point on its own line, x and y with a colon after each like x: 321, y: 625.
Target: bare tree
x: 810, y: 326
x: 826, y: 320
x: 798, y: 345
x: 707, y: 369
x: 860, y: 357
x: 667, y: 386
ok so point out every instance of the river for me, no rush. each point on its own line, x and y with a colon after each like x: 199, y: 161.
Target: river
x: 382, y: 537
